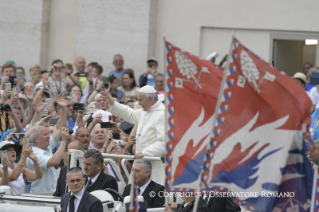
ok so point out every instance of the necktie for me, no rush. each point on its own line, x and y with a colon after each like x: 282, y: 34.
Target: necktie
x: 138, y: 191
x: 71, y: 203
x: 88, y: 185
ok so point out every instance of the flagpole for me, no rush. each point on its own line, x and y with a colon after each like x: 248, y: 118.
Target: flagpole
x: 314, y: 188
x: 166, y: 108
x: 221, y: 90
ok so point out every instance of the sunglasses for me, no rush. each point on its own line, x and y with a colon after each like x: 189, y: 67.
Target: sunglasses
x: 16, y: 106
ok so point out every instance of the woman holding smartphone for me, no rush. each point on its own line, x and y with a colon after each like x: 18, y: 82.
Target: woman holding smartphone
x: 17, y: 172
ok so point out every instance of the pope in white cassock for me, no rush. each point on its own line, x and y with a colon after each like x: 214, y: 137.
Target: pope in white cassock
x: 150, y: 121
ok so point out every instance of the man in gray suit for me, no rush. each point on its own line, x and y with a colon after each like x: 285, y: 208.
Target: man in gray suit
x: 79, y: 200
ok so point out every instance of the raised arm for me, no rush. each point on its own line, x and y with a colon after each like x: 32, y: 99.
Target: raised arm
x: 125, y: 112
x: 19, y: 167
x: 4, y: 173
x: 62, y: 120
x: 33, y: 175
x: 57, y: 157
x: 17, y: 122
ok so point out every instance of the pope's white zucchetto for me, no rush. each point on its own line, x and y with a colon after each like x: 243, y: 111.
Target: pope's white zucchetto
x: 147, y: 89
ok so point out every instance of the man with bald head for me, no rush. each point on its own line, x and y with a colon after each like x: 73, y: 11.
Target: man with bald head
x: 60, y: 186
x: 83, y: 136
x: 150, y: 134
x: 80, y: 67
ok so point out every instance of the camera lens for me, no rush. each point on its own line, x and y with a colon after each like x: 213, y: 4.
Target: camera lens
x: 106, y: 85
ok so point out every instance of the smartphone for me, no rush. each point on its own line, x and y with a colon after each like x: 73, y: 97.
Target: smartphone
x: 7, y: 86
x: 116, y: 135
x: 3, y: 153
x: 26, y: 141
x: 53, y: 121
x: 49, y: 102
x: 11, y: 80
x: 106, y: 125
x: 83, y: 74
x: 78, y: 106
x: 36, y: 77
x: 43, y: 72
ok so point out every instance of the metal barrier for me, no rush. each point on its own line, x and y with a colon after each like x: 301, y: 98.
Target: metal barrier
x: 127, y: 158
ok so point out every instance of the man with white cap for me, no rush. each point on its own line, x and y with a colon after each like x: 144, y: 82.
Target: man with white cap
x: 212, y: 57
x: 150, y: 134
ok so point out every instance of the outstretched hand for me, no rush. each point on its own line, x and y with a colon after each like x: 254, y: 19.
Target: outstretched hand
x: 107, y: 96
x: 60, y: 100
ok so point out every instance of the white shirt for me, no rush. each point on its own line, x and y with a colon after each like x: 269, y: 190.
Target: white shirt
x: 110, y: 171
x: 17, y: 186
x: 314, y: 96
x: 77, y: 200
x: 92, y: 147
x: 50, y: 175
x: 93, y: 179
x: 142, y: 189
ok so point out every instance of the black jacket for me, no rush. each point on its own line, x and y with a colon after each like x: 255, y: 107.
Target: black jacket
x: 152, y: 202
x: 88, y: 203
x: 189, y: 208
x: 60, y: 186
x: 102, y: 182
x: 222, y: 204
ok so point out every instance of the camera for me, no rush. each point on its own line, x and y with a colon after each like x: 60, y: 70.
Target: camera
x: 18, y: 136
x: 106, y: 85
x: 71, y: 132
x: 83, y: 74
x: 78, y: 106
x: 119, y: 142
x: 58, y: 68
x: 116, y: 135
x: 106, y: 125
x: 11, y: 80
x: 5, y: 107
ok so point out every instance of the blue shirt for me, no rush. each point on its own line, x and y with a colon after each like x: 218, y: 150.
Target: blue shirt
x: 119, y: 94
x: 71, y: 124
x: 5, y: 134
x: 309, y: 86
x: 116, y: 74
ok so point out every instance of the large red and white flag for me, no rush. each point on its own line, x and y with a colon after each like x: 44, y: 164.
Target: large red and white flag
x: 192, y: 91
x: 257, y: 144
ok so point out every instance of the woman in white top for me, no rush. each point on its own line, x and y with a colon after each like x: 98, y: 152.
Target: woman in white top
x: 129, y: 87
x: 17, y: 172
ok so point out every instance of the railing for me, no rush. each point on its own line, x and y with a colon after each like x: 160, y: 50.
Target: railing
x: 125, y: 158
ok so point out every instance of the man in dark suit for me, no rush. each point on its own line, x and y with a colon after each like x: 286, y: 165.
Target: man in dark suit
x: 97, y: 180
x: 222, y: 204
x: 60, y: 186
x: 187, y: 205
x: 143, y: 170
x: 79, y: 200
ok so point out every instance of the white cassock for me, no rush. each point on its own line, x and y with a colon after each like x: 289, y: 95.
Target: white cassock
x: 150, y: 133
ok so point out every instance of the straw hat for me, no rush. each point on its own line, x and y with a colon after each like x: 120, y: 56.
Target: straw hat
x: 300, y: 76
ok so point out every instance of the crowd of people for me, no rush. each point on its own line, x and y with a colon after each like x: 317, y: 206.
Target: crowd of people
x: 75, y: 106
